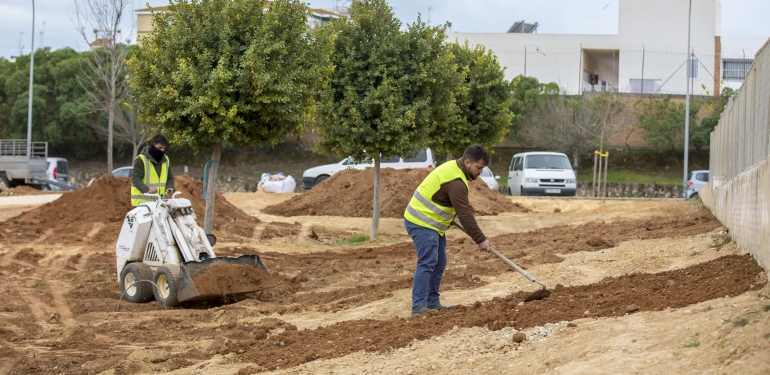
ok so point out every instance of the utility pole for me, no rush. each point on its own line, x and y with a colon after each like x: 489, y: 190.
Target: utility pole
x: 642, y: 68
x: 429, y: 9
x: 689, y: 72
x: 29, y: 105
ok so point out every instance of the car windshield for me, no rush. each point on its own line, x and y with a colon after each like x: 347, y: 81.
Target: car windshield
x: 547, y: 162
x: 486, y: 172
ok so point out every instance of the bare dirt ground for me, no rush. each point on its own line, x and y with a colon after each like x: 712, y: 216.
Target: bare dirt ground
x: 637, y: 287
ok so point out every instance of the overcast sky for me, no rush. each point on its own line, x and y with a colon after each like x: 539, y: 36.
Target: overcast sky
x: 739, y: 18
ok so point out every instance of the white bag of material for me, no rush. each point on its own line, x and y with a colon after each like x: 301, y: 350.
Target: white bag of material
x: 277, y: 184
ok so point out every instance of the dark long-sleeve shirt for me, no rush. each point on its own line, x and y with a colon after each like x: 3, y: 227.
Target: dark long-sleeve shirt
x: 137, y: 173
x: 455, y: 194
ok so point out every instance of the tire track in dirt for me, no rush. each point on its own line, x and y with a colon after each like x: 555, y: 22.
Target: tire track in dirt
x: 616, y: 296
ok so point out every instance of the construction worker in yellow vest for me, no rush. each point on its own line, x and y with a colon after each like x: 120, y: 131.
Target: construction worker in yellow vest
x: 439, y: 198
x: 151, y: 173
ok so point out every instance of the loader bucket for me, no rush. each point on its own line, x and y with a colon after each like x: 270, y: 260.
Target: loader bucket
x: 217, y: 277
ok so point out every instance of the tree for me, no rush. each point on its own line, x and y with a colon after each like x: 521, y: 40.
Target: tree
x: 217, y: 71
x: 129, y: 129
x: 663, y: 121
x: 483, y: 102
x: 573, y: 124
x: 700, y: 136
x: 103, y: 75
x: 390, y: 89
x: 527, y: 94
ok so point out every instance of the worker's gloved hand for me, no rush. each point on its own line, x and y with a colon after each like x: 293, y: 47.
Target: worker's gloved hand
x: 170, y: 192
x: 485, y: 246
x: 152, y: 191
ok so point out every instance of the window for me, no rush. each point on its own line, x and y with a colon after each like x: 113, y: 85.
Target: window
x: 62, y: 167
x: 650, y: 86
x: 547, y: 162
x: 702, y: 177
x: 735, y: 69
x: 421, y: 157
x: 486, y: 172
x: 392, y: 159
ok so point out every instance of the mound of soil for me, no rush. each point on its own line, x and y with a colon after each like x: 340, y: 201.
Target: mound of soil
x: 95, y: 214
x: 351, y: 193
x: 231, y: 279
x: 25, y: 190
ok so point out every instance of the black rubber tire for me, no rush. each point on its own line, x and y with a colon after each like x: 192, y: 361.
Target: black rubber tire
x: 510, y: 192
x: 523, y: 194
x: 139, y: 292
x: 167, y: 280
x: 320, y: 179
x: 4, y: 179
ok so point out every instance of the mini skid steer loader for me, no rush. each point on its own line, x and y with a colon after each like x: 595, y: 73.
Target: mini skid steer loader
x: 161, y: 242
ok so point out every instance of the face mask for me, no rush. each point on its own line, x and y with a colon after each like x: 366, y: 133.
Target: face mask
x: 156, y: 153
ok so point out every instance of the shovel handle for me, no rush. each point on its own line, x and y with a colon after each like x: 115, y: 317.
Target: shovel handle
x: 504, y: 259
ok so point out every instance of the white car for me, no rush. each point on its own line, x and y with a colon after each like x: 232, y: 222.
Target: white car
x: 541, y: 173
x: 490, y: 179
x: 58, y: 170
x: 316, y: 175
x: 695, y: 182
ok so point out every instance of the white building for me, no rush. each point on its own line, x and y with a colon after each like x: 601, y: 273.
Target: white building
x: 648, y: 55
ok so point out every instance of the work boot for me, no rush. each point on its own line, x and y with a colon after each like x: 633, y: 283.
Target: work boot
x: 442, y: 307
x: 417, y: 310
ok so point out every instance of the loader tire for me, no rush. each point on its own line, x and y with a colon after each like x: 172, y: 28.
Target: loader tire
x: 167, y: 279
x: 133, y: 290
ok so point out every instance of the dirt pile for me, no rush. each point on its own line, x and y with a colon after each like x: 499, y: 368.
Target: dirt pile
x: 231, y: 279
x: 25, y: 190
x: 351, y: 193
x: 95, y: 214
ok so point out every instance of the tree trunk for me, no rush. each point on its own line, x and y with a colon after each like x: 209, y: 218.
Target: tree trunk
x: 376, y: 205
x: 211, y: 189
x: 449, y: 156
x: 136, y: 152
x: 110, y: 121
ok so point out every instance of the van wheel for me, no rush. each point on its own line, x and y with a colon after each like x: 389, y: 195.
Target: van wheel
x: 4, y: 180
x: 320, y: 180
x: 509, y: 191
x: 523, y: 194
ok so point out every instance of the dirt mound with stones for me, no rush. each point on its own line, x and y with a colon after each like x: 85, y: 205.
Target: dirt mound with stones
x: 25, y: 190
x: 351, y: 193
x: 94, y: 215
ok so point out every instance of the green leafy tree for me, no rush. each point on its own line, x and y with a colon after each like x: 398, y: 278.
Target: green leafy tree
x: 527, y: 94
x: 390, y: 88
x: 217, y: 71
x: 700, y: 136
x: 663, y: 122
x: 483, y: 102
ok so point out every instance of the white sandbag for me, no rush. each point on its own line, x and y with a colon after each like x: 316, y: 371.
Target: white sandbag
x: 287, y: 185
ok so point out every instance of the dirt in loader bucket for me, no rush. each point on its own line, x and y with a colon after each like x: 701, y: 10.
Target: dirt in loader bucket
x: 232, y: 279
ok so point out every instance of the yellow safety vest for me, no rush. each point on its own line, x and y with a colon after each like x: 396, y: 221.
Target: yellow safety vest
x: 422, y: 210
x: 151, y: 179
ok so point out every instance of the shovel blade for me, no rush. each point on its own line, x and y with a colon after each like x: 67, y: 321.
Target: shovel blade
x: 540, y: 294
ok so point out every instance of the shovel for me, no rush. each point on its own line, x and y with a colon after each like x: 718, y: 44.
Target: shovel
x: 540, y: 294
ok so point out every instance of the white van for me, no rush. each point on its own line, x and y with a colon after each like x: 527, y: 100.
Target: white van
x: 541, y: 173
x: 316, y: 175
x: 58, y: 171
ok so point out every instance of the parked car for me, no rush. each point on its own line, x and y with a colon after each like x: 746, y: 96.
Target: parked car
x: 695, y: 182
x: 541, y: 173
x: 490, y: 179
x: 316, y: 175
x: 119, y: 172
x: 58, y: 170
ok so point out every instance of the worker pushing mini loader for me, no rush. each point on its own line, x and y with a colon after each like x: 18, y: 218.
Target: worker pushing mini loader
x: 441, y: 197
x: 163, y: 253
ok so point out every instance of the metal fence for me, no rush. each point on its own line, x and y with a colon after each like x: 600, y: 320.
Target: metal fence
x: 739, y: 191
x: 18, y: 147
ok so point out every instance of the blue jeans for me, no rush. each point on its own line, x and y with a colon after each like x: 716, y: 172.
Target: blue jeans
x: 431, y: 261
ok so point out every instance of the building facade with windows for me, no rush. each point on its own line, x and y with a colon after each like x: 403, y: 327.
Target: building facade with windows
x: 648, y: 55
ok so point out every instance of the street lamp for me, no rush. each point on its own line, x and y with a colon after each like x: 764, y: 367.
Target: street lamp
x: 689, y: 72
x: 29, y: 105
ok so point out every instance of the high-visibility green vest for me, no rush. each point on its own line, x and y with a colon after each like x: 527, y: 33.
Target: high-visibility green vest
x: 151, y: 179
x: 422, y: 210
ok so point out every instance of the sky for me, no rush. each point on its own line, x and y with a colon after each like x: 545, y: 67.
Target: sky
x: 55, y: 28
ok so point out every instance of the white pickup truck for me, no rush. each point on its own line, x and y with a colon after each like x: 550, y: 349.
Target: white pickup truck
x: 17, y: 168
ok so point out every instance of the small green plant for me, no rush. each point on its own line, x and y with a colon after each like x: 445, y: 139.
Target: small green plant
x: 752, y: 270
x: 767, y: 336
x: 356, y: 240
x: 695, y: 253
x: 766, y: 308
x: 736, y: 269
x: 741, y: 322
x: 692, y: 344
